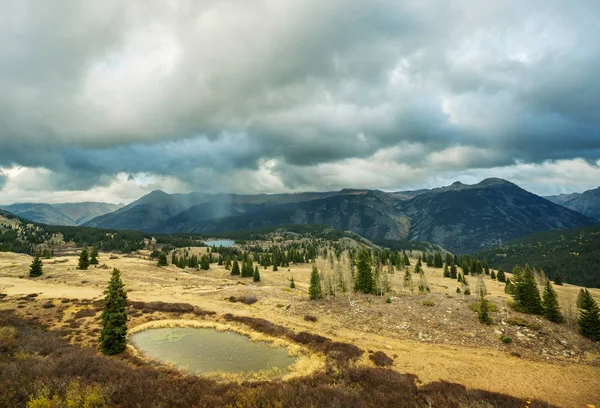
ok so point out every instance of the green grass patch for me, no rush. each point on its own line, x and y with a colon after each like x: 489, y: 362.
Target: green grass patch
x: 477, y: 306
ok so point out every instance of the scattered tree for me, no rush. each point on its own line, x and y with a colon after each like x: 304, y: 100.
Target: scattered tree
x: 501, y: 275
x: 35, y: 269
x: 256, y: 275
x: 292, y: 284
x: 162, y: 259
x: 526, y: 295
x: 407, y: 282
x: 453, y: 270
x: 364, y: 280
x: 314, y: 290
x: 484, y: 316
x: 235, y: 269
x: 113, y: 336
x: 84, y: 261
x: 589, y: 316
x: 94, y: 256
x: 558, y: 279
x: 550, y: 304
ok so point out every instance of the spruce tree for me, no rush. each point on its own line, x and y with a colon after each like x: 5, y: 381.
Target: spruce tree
x: 446, y: 271
x: 478, y: 268
x: 204, y: 263
x: 486, y: 268
x: 558, y: 279
x: 437, y: 260
x: 473, y: 267
x: 501, y: 275
x: 364, y: 280
x: 113, y: 337
x: 459, y: 278
x: 84, y: 260
x: 406, y: 260
x: 256, y: 275
x: 484, y: 316
x: 162, y: 259
x: 35, y: 269
x: 550, y: 304
x: 94, y: 256
x: 527, y: 295
x: 314, y: 290
x: 589, y: 316
x: 292, y: 284
x: 493, y: 275
x: 453, y: 270
x: 465, y: 267
x: 407, y: 282
x: 235, y: 269
x: 418, y: 266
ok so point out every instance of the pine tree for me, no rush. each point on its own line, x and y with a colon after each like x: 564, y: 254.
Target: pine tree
x: 437, y: 260
x: 162, y: 259
x: 473, y: 267
x: 418, y: 266
x: 550, y: 304
x: 256, y: 275
x: 314, y: 290
x: 35, y: 269
x: 113, y: 337
x: 94, y: 256
x: 465, y: 267
x: 292, y: 284
x: 589, y: 316
x: 453, y: 270
x: 580, y: 297
x: 527, y: 295
x: 407, y: 282
x: 558, y: 279
x: 235, y: 269
x: 509, y: 287
x: 406, y: 260
x: 174, y: 259
x: 446, y: 271
x: 493, y: 275
x: 501, y: 275
x: 486, y: 268
x: 484, y: 316
x: 204, y: 263
x: 364, y: 280
x: 459, y: 278
x: 423, y: 285
x: 84, y: 260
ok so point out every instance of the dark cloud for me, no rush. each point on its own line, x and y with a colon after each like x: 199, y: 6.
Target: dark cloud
x: 278, y: 94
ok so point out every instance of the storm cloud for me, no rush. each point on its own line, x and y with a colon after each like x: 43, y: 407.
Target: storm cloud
x: 269, y: 95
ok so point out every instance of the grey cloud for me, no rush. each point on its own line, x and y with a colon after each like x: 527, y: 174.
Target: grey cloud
x: 92, y: 90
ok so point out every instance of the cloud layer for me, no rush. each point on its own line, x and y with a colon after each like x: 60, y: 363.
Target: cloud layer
x: 269, y: 95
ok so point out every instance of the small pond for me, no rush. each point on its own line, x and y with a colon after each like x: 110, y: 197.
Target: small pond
x: 205, y: 350
x: 220, y: 242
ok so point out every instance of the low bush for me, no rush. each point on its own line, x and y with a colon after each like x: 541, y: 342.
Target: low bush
x: 477, y: 306
x: 81, y: 313
x: 247, y: 300
x: 505, y: 339
x: 380, y: 359
x: 428, y: 303
x: 310, y: 318
x: 519, y: 321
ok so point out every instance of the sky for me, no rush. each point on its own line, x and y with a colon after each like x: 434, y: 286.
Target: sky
x: 108, y: 100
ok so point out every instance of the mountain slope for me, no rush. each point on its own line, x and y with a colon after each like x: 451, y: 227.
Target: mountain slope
x: 587, y: 203
x: 70, y: 214
x: 370, y: 214
x: 573, y: 253
x: 464, y: 218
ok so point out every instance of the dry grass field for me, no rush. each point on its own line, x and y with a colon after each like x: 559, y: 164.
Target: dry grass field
x: 435, y: 336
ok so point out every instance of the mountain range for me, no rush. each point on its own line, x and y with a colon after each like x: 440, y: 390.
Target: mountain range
x: 70, y: 214
x: 460, y: 217
x: 587, y: 203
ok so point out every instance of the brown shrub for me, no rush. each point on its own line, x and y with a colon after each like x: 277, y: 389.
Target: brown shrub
x: 380, y: 359
x: 48, y: 305
x: 84, y: 313
x: 310, y: 318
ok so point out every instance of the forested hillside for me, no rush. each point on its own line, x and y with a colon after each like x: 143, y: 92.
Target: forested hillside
x: 574, y: 253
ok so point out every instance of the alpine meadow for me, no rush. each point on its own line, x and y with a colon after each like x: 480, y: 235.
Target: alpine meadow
x: 299, y: 204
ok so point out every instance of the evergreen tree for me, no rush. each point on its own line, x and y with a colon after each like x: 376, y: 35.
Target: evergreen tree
x: 235, y: 269
x: 446, y: 271
x: 459, y: 278
x: 84, y: 260
x: 509, y: 287
x: 35, y: 269
x: 162, y: 259
x: 558, y: 279
x: 527, y: 295
x: 407, y: 282
x: 364, y: 280
x: 94, y: 256
x: 423, y: 285
x: 418, y: 266
x: 493, y: 275
x: 204, y: 263
x: 275, y: 269
x: 473, y: 267
x: 314, y: 290
x: 501, y: 275
x: 292, y: 284
x: 256, y: 276
x: 550, y: 304
x: 484, y: 316
x: 453, y: 270
x: 113, y: 337
x: 406, y: 260
x: 465, y: 267
x: 589, y: 316
x: 437, y: 260
x: 486, y: 268
x: 580, y: 297
x: 174, y: 259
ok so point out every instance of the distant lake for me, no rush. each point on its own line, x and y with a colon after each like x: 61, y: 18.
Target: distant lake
x: 220, y: 242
